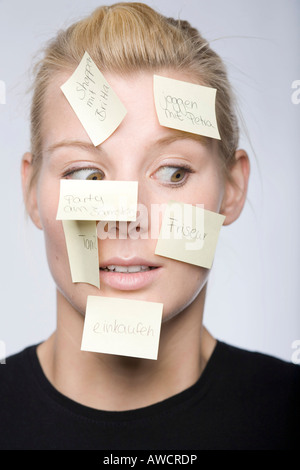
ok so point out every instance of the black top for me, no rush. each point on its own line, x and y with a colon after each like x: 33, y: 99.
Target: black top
x: 243, y: 400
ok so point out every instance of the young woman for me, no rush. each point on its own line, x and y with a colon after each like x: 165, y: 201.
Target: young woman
x: 200, y: 393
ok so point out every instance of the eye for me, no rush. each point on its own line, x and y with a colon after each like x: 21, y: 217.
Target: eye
x: 85, y: 174
x: 178, y: 175
x: 172, y: 174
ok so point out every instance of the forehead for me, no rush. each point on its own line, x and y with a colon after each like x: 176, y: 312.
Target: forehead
x: 60, y: 123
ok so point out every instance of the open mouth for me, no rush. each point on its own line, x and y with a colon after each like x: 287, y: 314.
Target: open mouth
x: 130, y: 274
x: 126, y: 269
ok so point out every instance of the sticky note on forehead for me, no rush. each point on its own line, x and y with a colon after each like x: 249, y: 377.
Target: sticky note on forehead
x: 97, y: 200
x: 122, y: 327
x: 94, y: 101
x: 186, y: 106
x: 82, y: 248
x: 189, y: 234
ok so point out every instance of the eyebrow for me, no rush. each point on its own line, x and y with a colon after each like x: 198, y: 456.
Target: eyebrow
x: 72, y: 143
x: 182, y: 135
x: 174, y: 136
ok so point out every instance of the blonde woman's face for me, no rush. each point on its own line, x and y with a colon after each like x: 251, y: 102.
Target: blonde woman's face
x: 167, y: 166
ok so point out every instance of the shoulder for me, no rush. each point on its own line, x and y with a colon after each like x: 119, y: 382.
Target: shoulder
x: 266, y: 385
x: 242, y: 357
x: 259, y: 371
x: 21, y: 402
x: 257, y: 362
x: 255, y: 397
x: 16, y: 358
x: 15, y: 372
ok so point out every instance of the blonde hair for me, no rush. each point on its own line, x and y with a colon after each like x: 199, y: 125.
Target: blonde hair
x: 129, y: 37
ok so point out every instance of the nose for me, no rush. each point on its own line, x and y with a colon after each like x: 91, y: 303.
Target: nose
x: 122, y: 230
x: 146, y: 224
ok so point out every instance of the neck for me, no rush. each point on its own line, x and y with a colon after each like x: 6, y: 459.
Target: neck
x: 111, y: 382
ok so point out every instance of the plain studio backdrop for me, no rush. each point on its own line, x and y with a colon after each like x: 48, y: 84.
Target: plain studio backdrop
x: 253, y: 293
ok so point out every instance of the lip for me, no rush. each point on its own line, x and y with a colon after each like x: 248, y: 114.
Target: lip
x: 129, y: 281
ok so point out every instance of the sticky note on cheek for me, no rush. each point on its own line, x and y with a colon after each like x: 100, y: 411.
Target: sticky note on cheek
x: 97, y: 200
x: 189, y: 234
x: 82, y: 248
x: 122, y: 327
x: 93, y: 100
x: 186, y: 106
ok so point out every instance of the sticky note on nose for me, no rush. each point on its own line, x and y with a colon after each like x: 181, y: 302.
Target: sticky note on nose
x: 186, y: 106
x: 97, y: 200
x: 189, y: 233
x: 93, y: 100
x: 122, y: 327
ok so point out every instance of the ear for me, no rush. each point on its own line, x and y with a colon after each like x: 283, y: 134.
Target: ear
x: 30, y: 190
x: 236, y: 187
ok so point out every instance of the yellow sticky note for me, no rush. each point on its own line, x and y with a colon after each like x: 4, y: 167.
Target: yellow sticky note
x: 94, y: 101
x: 97, y: 200
x: 186, y: 106
x: 82, y: 248
x: 189, y: 233
x: 123, y: 327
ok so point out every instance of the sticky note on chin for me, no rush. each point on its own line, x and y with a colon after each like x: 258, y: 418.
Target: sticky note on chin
x: 121, y: 326
x: 186, y: 106
x: 97, y: 200
x: 82, y: 248
x: 93, y: 100
x: 189, y: 234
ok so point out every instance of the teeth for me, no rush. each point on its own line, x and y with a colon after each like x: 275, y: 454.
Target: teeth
x: 136, y: 269
x: 126, y: 269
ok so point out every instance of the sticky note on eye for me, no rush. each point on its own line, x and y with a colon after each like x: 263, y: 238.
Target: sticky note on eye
x: 97, y: 200
x: 186, y: 106
x: 95, y: 103
x: 189, y: 234
x: 122, y: 327
x: 82, y: 248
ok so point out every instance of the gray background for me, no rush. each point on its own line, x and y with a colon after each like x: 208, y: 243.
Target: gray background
x: 253, y: 295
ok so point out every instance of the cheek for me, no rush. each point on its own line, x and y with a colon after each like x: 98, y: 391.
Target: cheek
x: 184, y: 285
x: 55, y: 244
x: 56, y: 249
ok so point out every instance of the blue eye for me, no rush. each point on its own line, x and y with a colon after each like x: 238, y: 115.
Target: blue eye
x: 85, y: 174
x: 172, y: 174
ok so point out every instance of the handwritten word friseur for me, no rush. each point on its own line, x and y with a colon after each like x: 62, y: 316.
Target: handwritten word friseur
x: 186, y: 231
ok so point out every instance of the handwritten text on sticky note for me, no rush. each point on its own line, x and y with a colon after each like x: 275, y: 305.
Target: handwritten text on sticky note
x: 94, y: 101
x: 97, y: 200
x: 82, y: 248
x: 186, y: 106
x: 122, y: 327
x: 189, y: 233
